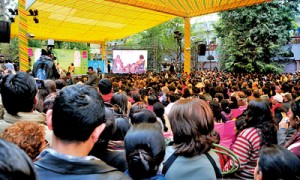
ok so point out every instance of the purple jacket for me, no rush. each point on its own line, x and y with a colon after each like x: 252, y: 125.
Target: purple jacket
x: 294, y: 144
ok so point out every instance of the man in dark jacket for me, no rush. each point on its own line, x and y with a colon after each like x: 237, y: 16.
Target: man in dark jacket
x: 105, y: 89
x: 92, y: 77
x: 44, y: 68
x: 77, y: 121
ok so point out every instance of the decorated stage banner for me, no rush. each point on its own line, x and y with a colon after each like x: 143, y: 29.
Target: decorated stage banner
x: 97, y: 64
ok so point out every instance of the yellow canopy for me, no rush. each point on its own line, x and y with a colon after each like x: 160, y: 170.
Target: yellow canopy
x: 97, y: 21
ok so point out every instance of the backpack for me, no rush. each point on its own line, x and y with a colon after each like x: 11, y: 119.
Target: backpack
x: 43, y: 70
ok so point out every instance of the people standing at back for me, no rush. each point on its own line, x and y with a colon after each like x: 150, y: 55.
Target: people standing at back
x: 44, y: 68
x: 9, y: 65
x: 92, y: 77
x: 69, y: 80
x: 71, y: 68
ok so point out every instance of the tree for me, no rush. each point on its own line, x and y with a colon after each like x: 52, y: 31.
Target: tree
x: 10, y: 51
x: 37, y: 43
x: 252, y: 36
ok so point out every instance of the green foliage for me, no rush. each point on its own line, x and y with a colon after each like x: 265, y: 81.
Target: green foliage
x: 252, y: 36
x: 37, y: 43
x: 11, y: 51
x: 70, y: 45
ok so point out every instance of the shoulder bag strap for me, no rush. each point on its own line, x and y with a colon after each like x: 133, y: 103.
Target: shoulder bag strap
x: 168, y: 163
x: 213, y: 163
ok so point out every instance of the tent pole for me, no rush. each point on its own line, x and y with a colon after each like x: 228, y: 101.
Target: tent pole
x: 23, y: 39
x: 187, y: 45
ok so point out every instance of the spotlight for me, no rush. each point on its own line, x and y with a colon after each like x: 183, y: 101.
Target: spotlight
x: 11, y: 11
x: 36, y: 20
x: 36, y: 12
x: 30, y: 35
x: 31, y: 12
x: 176, y: 32
x: 12, y: 19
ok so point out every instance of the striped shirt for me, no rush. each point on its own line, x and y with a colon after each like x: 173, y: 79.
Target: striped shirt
x: 247, y: 148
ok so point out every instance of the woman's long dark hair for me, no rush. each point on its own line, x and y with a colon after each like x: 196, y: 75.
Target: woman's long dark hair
x: 225, y: 106
x: 277, y: 162
x: 145, y: 150
x: 121, y: 100
x: 259, y: 116
x: 216, y: 109
x: 159, y: 110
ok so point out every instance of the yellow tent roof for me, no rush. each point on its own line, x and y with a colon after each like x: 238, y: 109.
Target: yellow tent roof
x: 97, y: 21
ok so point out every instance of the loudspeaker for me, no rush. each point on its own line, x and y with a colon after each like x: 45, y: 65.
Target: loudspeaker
x: 4, y: 32
x: 201, y: 49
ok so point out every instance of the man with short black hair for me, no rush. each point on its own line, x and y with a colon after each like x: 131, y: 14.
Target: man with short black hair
x: 105, y: 89
x: 92, y: 81
x: 18, y: 92
x: 77, y: 121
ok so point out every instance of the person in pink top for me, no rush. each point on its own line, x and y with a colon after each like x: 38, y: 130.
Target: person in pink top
x: 242, y: 105
x: 226, y: 111
x: 226, y: 127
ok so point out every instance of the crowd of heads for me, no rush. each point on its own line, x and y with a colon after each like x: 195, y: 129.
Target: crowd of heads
x: 135, y: 113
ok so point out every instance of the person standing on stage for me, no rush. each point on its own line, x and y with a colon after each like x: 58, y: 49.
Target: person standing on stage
x: 108, y: 67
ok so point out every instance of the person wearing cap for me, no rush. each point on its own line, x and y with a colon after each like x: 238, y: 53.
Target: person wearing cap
x: 276, y: 102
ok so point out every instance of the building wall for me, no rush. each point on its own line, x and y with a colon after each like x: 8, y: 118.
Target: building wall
x: 296, y: 51
x: 290, y: 67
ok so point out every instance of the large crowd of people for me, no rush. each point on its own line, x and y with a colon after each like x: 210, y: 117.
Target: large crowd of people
x: 168, y: 125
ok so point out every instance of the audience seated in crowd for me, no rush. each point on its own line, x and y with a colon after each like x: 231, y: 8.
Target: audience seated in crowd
x: 248, y: 113
x: 15, y: 163
x: 192, y: 142
x: 276, y: 162
x: 74, y: 135
x: 18, y: 92
x: 259, y: 130
x: 145, y: 150
x: 29, y: 136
